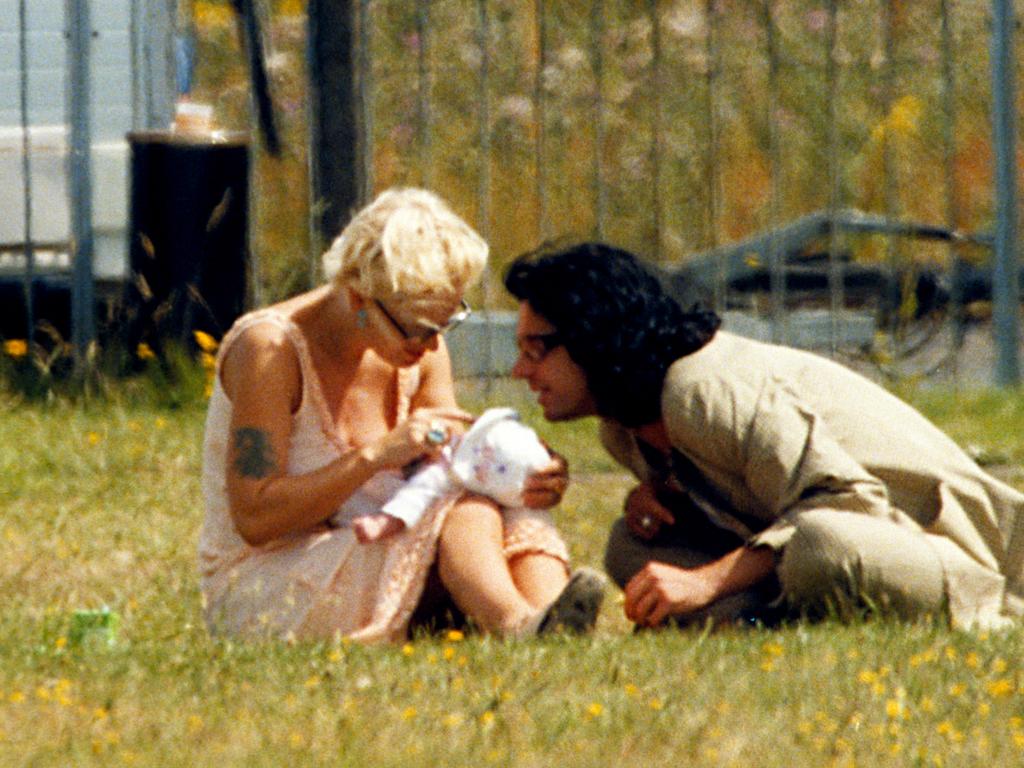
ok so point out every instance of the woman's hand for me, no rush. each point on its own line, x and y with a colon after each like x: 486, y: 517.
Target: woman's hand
x: 645, y: 514
x: 546, y: 487
x: 424, y: 433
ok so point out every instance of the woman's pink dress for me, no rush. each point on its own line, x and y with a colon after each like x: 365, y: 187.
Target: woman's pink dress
x: 322, y: 583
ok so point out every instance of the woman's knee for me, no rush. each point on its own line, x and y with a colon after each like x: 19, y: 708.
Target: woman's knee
x: 470, y: 518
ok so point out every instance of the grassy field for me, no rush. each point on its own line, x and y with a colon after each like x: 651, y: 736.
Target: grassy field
x: 101, y: 506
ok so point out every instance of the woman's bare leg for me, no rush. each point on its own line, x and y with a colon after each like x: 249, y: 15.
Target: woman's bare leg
x: 473, y: 568
x: 540, y: 578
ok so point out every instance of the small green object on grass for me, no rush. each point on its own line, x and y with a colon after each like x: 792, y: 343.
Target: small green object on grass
x: 94, y: 628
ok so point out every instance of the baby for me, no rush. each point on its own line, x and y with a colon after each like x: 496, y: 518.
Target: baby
x: 493, y: 458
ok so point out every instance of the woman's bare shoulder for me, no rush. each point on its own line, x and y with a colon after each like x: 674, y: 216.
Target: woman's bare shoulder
x: 261, y: 355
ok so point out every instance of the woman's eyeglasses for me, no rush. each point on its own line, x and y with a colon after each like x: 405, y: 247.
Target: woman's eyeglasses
x: 426, y: 330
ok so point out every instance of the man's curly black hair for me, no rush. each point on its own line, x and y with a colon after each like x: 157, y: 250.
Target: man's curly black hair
x: 616, y: 320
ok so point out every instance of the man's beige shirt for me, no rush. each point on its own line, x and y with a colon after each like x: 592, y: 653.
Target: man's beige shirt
x: 777, y: 432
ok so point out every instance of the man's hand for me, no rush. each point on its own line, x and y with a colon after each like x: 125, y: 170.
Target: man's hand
x: 661, y: 590
x: 645, y: 514
x: 376, y: 527
x: 546, y: 487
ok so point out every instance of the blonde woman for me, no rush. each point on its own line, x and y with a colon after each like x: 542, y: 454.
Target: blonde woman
x: 318, y: 405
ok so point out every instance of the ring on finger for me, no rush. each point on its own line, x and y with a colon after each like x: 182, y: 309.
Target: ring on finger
x: 646, y: 522
x: 437, y: 434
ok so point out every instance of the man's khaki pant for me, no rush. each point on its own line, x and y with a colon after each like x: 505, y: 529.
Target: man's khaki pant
x: 835, y: 561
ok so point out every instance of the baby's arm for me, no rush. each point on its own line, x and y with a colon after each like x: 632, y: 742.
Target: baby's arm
x: 407, y: 506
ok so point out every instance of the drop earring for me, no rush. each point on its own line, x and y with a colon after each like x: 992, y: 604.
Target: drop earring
x: 361, y: 318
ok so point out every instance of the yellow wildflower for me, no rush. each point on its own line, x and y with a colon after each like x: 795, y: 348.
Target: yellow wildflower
x: 205, y: 341
x: 867, y: 676
x: 655, y: 704
x: 144, y: 352
x: 454, y: 636
x: 409, y: 713
x: 972, y: 660
x: 772, y: 649
x: 999, y: 688
x: 16, y: 348
x: 595, y: 709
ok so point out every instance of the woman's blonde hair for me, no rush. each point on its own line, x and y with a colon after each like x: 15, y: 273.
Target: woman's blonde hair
x: 407, y: 242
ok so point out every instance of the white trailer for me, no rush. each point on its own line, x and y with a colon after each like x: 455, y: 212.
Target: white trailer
x: 131, y: 86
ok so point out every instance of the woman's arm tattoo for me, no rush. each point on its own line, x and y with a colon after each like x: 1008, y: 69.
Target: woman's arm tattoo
x: 254, y: 455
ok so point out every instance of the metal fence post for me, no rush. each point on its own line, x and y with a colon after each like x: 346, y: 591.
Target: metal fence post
x: 83, y: 321
x: 655, y: 151
x: 597, y: 29
x: 484, y: 174
x: 26, y: 169
x: 712, y: 167
x: 540, y: 105
x: 1005, y: 288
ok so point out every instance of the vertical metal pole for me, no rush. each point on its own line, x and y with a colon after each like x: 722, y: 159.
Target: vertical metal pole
x: 484, y: 174
x: 134, y: 32
x: 955, y: 265
x: 597, y: 57
x: 712, y: 171
x: 889, y: 174
x: 656, y: 139
x: 365, y: 104
x: 423, y: 127
x: 776, y: 260
x: 1005, y: 287
x: 837, y: 292
x: 540, y: 104
x: 83, y: 321
x: 29, y: 276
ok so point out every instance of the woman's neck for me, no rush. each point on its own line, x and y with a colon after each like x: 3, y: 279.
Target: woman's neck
x: 331, y: 326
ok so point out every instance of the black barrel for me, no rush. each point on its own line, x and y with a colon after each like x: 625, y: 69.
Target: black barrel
x: 188, y: 243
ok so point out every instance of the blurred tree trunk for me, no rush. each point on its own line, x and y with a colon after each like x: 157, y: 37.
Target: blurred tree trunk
x: 333, y: 125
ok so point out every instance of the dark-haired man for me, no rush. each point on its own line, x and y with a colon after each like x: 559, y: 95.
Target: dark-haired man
x: 767, y: 474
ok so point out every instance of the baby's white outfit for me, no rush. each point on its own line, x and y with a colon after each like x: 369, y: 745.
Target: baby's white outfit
x: 494, y: 458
